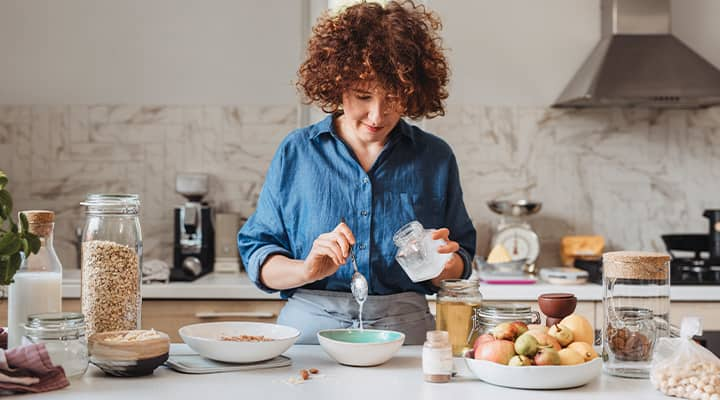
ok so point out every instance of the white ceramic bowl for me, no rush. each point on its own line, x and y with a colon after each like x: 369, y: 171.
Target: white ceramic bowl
x: 536, y: 377
x: 205, y: 339
x: 360, y: 348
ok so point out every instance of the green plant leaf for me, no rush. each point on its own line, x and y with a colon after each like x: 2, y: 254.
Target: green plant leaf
x: 12, y: 265
x: 3, y: 180
x: 33, y: 243
x: 25, y: 246
x: 5, y: 204
x: 23, y: 222
x: 6, y: 201
x: 10, y: 244
x: 4, y: 261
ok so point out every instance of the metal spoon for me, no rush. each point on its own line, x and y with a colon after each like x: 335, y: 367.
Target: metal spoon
x: 358, y: 283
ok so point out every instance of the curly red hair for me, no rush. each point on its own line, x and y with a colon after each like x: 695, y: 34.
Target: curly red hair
x: 396, y: 46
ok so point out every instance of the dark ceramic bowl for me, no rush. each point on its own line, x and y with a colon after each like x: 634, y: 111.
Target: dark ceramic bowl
x: 557, y: 305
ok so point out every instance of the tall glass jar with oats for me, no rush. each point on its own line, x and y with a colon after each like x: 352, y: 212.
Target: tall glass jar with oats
x: 111, y: 263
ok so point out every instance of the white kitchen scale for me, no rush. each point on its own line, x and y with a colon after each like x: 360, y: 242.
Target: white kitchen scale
x: 515, y: 233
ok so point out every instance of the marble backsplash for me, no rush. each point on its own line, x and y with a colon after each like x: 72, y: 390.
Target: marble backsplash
x: 629, y: 175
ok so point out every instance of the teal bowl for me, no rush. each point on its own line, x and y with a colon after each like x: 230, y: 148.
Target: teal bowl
x: 360, y: 348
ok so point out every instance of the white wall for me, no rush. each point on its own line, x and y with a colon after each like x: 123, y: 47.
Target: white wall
x: 149, y: 51
x: 503, y: 52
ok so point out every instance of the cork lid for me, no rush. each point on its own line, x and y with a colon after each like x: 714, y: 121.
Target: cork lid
x: 636, y: 265
x: 38, y: 220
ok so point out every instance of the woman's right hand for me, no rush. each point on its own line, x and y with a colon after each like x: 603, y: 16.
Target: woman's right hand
x: 330, y: 250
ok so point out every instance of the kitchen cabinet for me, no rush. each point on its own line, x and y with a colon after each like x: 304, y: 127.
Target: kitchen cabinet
x: 169, y: 315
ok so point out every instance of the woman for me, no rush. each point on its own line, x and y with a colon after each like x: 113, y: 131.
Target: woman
x: 368, y: 67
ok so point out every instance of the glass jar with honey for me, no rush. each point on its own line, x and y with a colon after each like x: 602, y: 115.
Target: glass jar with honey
x: 456, y: 304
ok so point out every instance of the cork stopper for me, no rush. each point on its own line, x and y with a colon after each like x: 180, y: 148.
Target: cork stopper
x: 636, y: 265
x: 39, y: 221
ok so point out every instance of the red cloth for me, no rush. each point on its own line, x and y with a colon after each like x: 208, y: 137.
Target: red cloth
x: 28, y: 369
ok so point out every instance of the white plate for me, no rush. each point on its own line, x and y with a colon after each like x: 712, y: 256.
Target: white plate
x: 536, y: 377
x: 205, y: 339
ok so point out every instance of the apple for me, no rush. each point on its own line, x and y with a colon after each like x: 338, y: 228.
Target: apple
x: 498, y: 351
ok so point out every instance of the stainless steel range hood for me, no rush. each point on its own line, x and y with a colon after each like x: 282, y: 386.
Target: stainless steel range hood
x: 639, y: 63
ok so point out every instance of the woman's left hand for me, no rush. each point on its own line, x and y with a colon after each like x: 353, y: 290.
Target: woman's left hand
x: 454, y: 267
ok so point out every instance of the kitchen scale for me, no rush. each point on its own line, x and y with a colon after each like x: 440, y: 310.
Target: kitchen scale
x: 515, y: 233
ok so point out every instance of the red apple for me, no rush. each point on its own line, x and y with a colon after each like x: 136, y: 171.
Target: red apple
x: 498, y: 351
x: 482, y: 339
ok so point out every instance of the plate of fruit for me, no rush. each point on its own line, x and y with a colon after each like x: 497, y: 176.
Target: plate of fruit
x: 522, y: 356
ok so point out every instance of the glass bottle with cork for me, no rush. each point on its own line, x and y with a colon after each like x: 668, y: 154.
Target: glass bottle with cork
x: 456, y: 304
x: 37, y: 286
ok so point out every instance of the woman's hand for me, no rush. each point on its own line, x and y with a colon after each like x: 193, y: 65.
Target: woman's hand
x: 454, y: 267
x: 330, y: 250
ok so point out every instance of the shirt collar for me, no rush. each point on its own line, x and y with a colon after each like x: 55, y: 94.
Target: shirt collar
x: 325, y: 126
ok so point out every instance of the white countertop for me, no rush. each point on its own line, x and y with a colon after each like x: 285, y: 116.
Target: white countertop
x: 237, y: 286
x: 399, y: 378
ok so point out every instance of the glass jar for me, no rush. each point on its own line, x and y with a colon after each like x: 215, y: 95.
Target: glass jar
x: 455, y: 306
x: 437, y: 358
x: 37, y: 285
x: 636, y: 307
x: 489, y: 315
x: 111, y: 263
x: 417, y: 252
x: 63, y: 335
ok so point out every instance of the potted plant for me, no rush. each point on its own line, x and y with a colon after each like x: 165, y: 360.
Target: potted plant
x: 15, y: 240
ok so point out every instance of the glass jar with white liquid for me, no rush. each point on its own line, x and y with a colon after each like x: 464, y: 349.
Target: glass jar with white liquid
x: 418, y: 252
x: 37, y: 285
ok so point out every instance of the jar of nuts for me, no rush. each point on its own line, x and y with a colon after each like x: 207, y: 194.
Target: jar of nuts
x: 636, y: 303
x: 111, y: 255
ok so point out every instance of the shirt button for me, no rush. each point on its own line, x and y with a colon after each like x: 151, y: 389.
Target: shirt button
x: 362, y: 246
x: 364, y: 213
x: 365, y: 180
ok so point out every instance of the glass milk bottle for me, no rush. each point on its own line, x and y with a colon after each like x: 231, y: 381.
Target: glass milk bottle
x: 37, y: 286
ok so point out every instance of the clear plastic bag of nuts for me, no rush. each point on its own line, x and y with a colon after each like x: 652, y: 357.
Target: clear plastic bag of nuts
x: 682, y: 368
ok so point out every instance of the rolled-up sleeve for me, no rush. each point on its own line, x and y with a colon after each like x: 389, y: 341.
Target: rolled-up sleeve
x: 264, y: 233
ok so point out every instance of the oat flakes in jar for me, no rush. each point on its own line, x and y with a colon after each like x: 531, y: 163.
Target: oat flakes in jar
x: 111, y: 261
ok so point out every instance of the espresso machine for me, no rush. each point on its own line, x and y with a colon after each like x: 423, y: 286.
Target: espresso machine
x: 194, y: 249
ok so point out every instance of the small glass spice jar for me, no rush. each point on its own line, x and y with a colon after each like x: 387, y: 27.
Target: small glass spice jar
x: 456, y: 303
x: 63, y: 335
x: 437, y: 358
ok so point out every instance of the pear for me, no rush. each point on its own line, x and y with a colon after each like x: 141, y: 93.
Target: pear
x: 520, y: 361
x: 562, y: 333
x: 526, y: 345
x: 570, y: 357
x: 584, y: 349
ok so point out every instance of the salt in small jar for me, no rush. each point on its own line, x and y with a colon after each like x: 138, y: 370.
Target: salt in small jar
x: 437, y: 358
x: 63, y: 335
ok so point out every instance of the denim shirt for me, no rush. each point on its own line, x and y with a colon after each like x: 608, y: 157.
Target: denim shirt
x: 314, y: 180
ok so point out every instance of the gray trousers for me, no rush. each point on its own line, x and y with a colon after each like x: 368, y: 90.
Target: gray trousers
x: 314, y: 310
